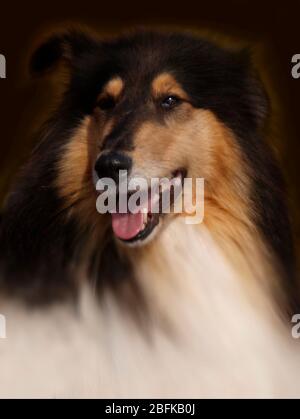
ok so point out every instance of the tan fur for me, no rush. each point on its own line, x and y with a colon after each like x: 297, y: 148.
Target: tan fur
x: 216, y: 158
x: 113, y: 88
x: 74, y: 181
x: 165, y: 84
x: 74, y: 169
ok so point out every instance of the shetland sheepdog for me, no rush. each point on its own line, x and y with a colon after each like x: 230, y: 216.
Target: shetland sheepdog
x: 111, y: 305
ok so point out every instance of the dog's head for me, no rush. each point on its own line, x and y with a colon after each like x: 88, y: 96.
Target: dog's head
x: 154, y: 106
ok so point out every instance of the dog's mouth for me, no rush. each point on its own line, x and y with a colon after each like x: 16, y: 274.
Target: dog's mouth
x: 131, y: 228
x: 138, y: 227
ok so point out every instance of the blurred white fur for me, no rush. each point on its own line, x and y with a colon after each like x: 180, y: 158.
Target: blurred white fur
x: 210, y: 333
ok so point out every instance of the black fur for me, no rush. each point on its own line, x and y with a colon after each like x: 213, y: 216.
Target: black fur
x: 38, y: 247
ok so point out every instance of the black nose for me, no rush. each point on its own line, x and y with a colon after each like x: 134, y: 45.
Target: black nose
x: 109, y: 165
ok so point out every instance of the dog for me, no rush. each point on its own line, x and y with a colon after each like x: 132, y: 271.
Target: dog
x: 146, y: 305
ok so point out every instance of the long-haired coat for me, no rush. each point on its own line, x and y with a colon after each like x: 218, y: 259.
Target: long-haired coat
x: 95, y: 309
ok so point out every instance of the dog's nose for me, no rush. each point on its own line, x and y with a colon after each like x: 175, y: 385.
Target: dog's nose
x: 109, y: 164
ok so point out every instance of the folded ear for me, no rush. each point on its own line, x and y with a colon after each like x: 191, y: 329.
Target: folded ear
x: 62, y: 46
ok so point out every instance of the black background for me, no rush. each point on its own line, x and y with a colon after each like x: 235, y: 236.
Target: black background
x: 272, y: 28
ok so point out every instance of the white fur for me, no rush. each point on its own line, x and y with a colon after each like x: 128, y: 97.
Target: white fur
x: 208, y: 334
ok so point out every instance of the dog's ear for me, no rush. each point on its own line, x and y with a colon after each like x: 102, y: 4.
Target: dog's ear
x: 65, y: 46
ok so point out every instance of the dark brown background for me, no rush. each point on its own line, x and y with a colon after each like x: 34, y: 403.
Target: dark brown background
x: 273, y: 29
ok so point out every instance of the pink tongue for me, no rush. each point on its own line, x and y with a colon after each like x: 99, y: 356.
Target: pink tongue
x: 127, y: 226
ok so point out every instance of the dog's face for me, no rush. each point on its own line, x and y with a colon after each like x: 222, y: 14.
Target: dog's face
x: 150, y: 128
x: 153, y: 105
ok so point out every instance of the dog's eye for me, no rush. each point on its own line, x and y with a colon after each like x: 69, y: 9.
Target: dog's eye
x: 169, y: 102
x: 106, y: 103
